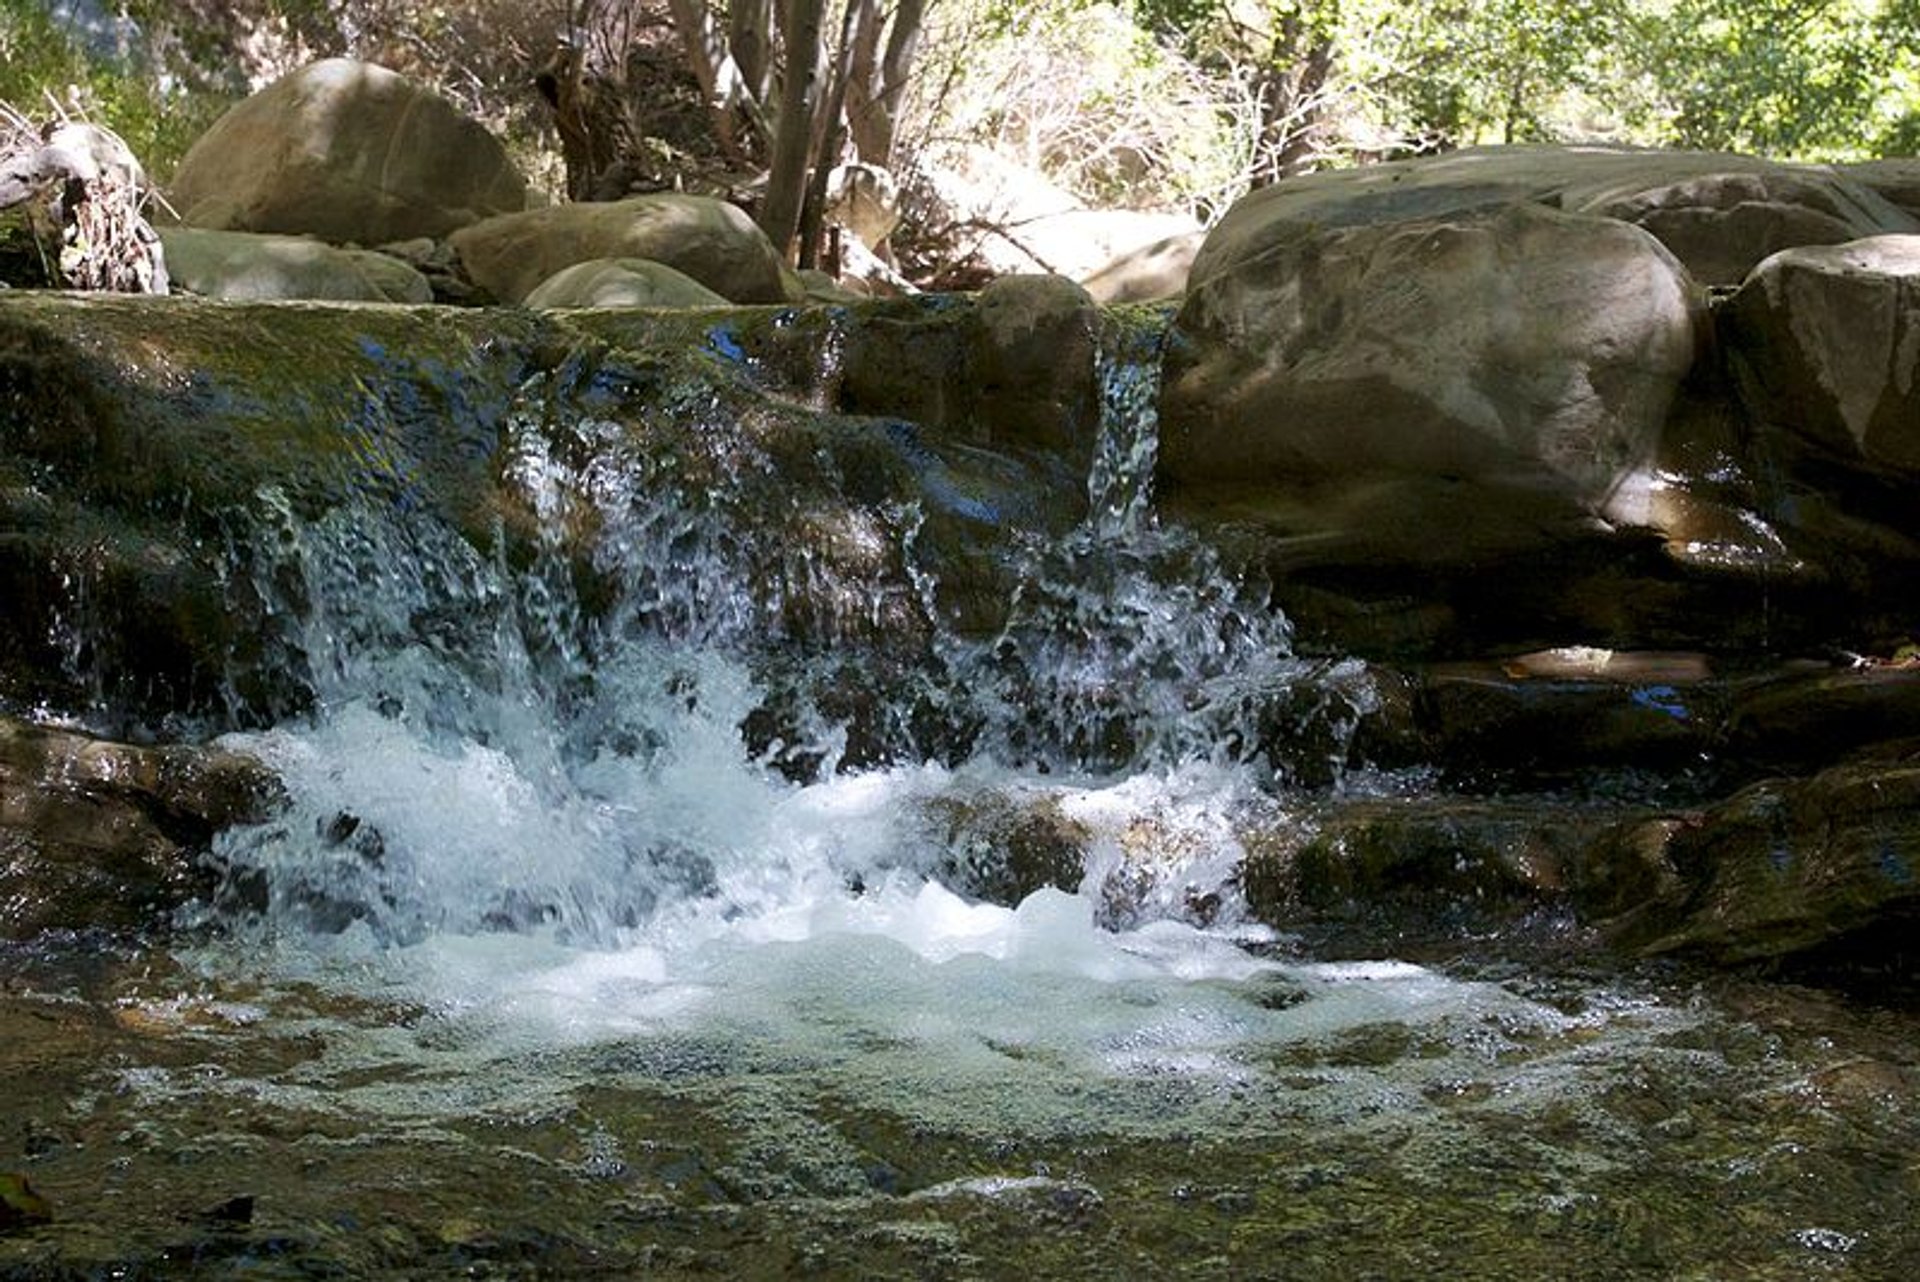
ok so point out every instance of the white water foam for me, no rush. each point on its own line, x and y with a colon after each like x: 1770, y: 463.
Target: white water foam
x: 545, y: 832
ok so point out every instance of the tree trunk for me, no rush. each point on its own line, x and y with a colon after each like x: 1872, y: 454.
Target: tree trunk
x: 794, y: 126
x: 1290, y: 106
x: 876, y: 88
x: 589, y: 139
x: 714, y: 66
x: 828, y: 139
x: 863, y: 76
x: 750, y: 39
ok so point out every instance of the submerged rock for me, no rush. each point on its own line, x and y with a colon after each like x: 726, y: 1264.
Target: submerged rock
x: 1000, y: 847
x: 20, y: 1205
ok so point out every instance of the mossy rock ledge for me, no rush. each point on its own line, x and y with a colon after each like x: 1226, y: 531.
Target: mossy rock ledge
x: 155, y: 454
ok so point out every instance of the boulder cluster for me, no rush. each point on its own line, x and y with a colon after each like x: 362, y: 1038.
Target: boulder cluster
x: 1506, y: 397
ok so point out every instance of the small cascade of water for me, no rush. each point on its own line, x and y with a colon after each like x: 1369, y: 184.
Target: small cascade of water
x: 1130, y: 646
x: 543, y: 741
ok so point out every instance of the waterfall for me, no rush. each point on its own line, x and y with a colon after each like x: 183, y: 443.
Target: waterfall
x: 487, y: 752
x: 530, y: 795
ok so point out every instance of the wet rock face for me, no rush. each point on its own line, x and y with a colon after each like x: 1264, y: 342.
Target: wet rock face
x: 349, y: 152
x: 1640, y: 803
x: 97, y: 835
x: 159, y: 467
x: 1825, y: 869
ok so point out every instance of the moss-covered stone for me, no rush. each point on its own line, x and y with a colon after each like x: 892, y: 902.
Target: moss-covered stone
x: 150, y: 445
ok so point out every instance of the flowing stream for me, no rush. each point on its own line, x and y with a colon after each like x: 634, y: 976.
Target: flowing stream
x: 546, y: 970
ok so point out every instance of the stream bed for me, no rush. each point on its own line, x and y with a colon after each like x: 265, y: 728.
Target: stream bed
x: 1158, y: 1105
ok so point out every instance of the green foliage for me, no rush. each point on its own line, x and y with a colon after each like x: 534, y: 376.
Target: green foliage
x: 1491, y: 70
x: 1780, y: 77
x: 1789, y: 78
x: 45, y: 65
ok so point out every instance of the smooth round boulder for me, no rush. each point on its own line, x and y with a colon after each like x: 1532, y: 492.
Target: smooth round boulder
x: 260, y: 268
x: 1032, y: 359
x: 1434, y: 388
x: 621, y: 282
x: 709, y: 240
x: 1719, y: 213
x: 1158, y: 271
x: 349, y: 152
x: 1825, y: 342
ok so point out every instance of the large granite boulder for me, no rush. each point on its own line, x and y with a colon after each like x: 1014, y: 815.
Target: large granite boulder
x: 621, y: 282
x: 1473, y: 400
x: 1719, y: 213
x: 264, y: 268
x: 1147, y: 274
x: 349, y: 152
x: 709, y: 240
x: 1080, y: 242
x: 1895, y: 177
x: 1722, y: 223
x: 1826, y: 344
x: 1427, y: 390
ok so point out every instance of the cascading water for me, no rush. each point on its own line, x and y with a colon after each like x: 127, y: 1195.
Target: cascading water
x: 487, y: 754
x: 540, y: 819
x: 689, y: 880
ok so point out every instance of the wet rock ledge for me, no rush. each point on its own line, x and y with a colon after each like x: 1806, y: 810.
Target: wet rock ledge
x: 108, y: 836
